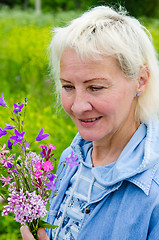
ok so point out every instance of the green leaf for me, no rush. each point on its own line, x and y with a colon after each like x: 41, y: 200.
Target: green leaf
x: 47, y: 225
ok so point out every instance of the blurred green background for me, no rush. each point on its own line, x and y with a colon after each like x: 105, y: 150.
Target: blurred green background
x: 25, y: 33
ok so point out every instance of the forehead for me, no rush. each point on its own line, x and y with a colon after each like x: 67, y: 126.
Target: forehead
x: 72, y: 64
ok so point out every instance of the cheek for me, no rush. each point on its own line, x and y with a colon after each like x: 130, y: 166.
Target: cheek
x: 106, y: 105
x: 66, y: 103
x: 113, y: 104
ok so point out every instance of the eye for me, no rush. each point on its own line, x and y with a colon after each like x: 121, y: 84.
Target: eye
x: 68, y: 87
x: 95, y: 88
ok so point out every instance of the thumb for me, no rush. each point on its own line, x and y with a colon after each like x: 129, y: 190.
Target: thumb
x: 42, y: 235
x: 26, y: 234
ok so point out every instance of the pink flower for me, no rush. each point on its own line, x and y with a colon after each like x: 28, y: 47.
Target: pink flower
x: 42, y: 146
x: 5, y: 180
x: 3, y: 151
x: 25, y: 205
x: 47, y: 145
x: 51, y: 146
x: 48, y: 166
x: 38, y: 165
x: 38, y: 174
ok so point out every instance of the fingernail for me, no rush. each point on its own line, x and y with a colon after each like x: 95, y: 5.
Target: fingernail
x: 41, y: 233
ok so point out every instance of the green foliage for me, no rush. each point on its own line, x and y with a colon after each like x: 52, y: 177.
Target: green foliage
x: 24, y: 41
x: 24, y: 38
x: 148, y: 8
x: 24, y: 72
x: 136, y: 8
x: 10, y: 229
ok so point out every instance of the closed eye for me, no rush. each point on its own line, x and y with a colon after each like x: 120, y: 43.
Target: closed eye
x: 68, y: 87
x: 95, y: 88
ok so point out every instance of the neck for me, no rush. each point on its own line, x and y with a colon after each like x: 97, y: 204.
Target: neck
x: 107, y: 150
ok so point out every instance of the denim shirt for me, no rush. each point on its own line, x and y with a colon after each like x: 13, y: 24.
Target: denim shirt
x: 128, y: 208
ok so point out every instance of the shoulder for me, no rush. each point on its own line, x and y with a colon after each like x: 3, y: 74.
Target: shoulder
x: 65, y: 153
x: 147, y: 181
x: 153, y: 185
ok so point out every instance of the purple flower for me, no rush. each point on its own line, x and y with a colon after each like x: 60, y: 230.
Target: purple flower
x: 42, y: 155
x: 2, y: 132
x: 41, y: 135
x: 18, y: 162
x: 10, y: 144
x: 2, y: 102
x: 26, y: 146
x: 51, y: 185
x: 71, y: 160
x: 12, y: 119
x: 9, y: 165
x: 17, y: 108
x: 51, y: 176
x: 8, y: 126
x: 15, y: 170
x: 18, y: 138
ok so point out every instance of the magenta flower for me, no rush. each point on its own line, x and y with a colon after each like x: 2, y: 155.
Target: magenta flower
x: 41, y: 135
x: 18, y: 138
x: 51, y: 185
x: 2, y: 132
x: 17, y: 108
x: 38, y: 174
x: 48, y: 166
x: 38, y: 165
x: 43, y: 146
x: 51, y: 146
x: 72, y: 160
x: 2, y: 102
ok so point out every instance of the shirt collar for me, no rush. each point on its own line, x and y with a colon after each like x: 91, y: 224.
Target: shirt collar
x: 143, y: 180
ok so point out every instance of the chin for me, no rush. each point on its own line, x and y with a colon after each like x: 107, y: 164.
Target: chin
x: 89, y: 137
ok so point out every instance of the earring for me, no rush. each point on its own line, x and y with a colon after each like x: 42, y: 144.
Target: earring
x: 137, y: 94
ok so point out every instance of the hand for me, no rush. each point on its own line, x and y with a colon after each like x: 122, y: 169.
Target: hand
x: 26, y: 234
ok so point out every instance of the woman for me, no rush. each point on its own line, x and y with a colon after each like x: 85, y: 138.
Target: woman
x: 108, y: 70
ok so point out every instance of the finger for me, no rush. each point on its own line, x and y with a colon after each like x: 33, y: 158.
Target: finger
x: 42, y: 235
x: 26, y: 234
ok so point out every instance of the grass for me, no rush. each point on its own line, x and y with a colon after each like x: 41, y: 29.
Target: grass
x: 24, y: 72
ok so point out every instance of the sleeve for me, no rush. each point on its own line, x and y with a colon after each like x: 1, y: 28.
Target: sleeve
x: 153, y: 232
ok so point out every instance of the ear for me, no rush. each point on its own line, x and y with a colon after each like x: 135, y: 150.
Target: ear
x: 143, y: 79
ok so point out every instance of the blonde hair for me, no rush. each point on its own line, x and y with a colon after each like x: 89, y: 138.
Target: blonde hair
x: 102, y: 31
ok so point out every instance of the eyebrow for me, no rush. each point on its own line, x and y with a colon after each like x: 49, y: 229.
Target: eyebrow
x: 89, y: 80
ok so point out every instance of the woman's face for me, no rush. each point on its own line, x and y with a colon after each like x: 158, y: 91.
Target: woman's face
x: 98, y: 97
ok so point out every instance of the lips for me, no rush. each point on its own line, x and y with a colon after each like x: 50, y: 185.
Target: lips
x: 90, y: 119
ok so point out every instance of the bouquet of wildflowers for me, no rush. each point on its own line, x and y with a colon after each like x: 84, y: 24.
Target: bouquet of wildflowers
x: 27, y: 178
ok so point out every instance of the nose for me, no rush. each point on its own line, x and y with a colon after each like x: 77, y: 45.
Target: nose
x: 81, y: 104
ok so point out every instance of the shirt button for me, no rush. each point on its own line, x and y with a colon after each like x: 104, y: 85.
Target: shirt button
x: 87, y: 210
